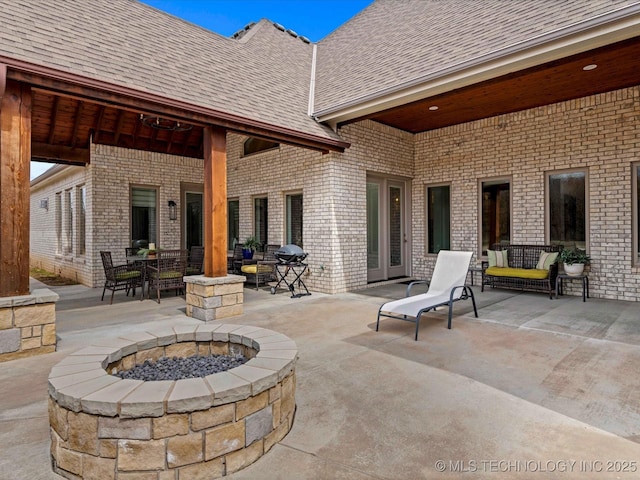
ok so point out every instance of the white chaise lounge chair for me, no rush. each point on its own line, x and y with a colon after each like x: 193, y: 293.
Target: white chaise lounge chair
x: 448, y: 284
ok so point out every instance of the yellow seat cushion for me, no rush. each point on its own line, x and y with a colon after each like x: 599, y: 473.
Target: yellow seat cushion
x: 253, y: 269
x: 529, y: 273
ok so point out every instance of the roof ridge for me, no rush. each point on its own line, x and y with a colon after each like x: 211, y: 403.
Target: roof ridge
x: 245, y: 33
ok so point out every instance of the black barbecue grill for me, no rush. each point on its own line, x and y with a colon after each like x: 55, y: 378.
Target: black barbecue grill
x: 290, y: 261
x: 290, y: 254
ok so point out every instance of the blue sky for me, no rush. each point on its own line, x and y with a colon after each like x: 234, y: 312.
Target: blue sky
x: 314, y: 19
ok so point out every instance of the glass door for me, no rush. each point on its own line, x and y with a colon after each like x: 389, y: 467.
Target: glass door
x: 374, y: 261
x: 387, y: 235
x: 396, y: 236
x: 193, y: 219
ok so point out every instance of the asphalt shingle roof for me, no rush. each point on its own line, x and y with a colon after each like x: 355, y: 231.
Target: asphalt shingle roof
x: 264, y: 76
x: 392, y: 42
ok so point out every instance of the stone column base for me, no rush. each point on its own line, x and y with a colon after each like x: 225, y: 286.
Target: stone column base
x: 213, y: 298
x: 28, y: 324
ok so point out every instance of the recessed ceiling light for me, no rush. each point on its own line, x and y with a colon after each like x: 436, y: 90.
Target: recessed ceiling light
x: 433, y: 108
x: 591, y: 66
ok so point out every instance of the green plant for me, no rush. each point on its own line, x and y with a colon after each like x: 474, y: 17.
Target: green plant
x: 251, y: 243
x: 570, y: 256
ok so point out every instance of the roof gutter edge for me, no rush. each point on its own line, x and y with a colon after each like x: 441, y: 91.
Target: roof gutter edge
x: 611, y: 27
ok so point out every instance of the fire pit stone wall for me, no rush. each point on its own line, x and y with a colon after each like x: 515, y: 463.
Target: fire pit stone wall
x: 109, y: 428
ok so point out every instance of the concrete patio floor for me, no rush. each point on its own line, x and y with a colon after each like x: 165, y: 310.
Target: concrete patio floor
x: 534, y: 388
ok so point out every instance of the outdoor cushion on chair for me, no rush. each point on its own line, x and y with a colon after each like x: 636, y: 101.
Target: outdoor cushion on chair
x: 128, y: 275
x: 253, y: 269
x: 517, y: 272
x: 447, y: 286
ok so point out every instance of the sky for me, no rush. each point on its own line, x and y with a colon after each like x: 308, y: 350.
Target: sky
x: 314, y: 19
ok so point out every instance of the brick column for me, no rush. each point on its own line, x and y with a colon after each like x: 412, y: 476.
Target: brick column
x: 213, y: 298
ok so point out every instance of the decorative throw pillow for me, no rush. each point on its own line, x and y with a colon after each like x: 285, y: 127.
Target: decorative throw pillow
x: 546, y: 259
x: 497, y: 258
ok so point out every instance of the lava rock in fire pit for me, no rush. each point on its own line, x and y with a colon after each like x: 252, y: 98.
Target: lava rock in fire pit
x: 177, y: 368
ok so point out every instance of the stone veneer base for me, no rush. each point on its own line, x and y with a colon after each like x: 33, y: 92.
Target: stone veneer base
x: 107, y: 428
x: 28, y: 324
x: 214, y: 298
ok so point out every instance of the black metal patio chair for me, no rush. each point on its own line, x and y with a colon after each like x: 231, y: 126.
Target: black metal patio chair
x: 119, y: 277
x: 168, y: 272
x: 196, y: 259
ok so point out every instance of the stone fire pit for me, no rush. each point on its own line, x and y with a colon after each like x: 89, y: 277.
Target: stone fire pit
x: 104, y: 427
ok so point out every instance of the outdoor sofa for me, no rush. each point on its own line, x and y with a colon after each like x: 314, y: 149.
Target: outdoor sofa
x: 522, y: 267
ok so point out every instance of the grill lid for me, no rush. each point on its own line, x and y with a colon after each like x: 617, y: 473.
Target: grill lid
x: 290, y: 253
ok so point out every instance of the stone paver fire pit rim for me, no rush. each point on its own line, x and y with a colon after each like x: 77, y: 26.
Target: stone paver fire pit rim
x: 80, y: 382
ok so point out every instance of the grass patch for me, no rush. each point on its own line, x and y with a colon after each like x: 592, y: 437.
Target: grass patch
x: 50, y: 279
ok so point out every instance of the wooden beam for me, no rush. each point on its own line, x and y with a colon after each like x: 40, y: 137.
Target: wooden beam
x: 54, y: 118
x: 215, y: 201
x: 15, y: 155
x: 76, y: 124
x: 144, y: 102
x: 98, y: 123
x: 60, y: 153
x: 3, y: 79
x: 119, y: 123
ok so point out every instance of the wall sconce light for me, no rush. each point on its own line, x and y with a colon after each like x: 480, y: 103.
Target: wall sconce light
x: 173, y: 210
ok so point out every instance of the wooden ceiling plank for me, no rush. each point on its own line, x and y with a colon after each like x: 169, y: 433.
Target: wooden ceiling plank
x: 60, y: 153
x: 98, y: 124
x: 119, y: 123
x: 76, y: 124
x: 53, y: 118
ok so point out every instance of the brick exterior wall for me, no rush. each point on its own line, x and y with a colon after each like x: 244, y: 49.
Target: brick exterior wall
x: 598, y: 133
x: 44, y: 252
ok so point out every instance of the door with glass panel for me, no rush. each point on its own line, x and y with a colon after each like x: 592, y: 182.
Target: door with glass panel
x: 194, y: 223
x: 387, y: 235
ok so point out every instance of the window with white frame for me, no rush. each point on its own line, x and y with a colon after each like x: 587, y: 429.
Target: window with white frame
x: 495, y: 204
x: 68, y: 222
x: 260, y: 219
x: 58, y: 223
x: 144, y: 216
x: 233, y: 225
x: 438, y: 218
x: 567, y: 208
x: 635, y: 206
x: 81, y: 196
x: 293, y: 233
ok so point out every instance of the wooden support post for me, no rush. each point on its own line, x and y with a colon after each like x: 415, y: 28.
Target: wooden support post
x: 15, y: 157
x: 215, y: 202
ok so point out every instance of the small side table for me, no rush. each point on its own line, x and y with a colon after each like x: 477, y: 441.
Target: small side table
x: 585, y: 284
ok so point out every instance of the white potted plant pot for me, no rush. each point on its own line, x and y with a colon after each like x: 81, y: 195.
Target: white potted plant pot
x: 574, y: 269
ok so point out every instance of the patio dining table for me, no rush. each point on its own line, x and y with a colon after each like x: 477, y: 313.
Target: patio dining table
x: 142, y: 261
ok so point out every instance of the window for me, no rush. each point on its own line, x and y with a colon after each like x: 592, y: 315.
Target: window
x: 260, y: 220
x: 82, y: 219
x: 233, y: 216
x: 636, y: 213
x: 438, y: 219
x: 567, y: 209
x: 58, y: 223
x: 496, y: 213
x: 144, y: 216
x: 255, y: 145
x: 68, y: 222
x: 294, y: 219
